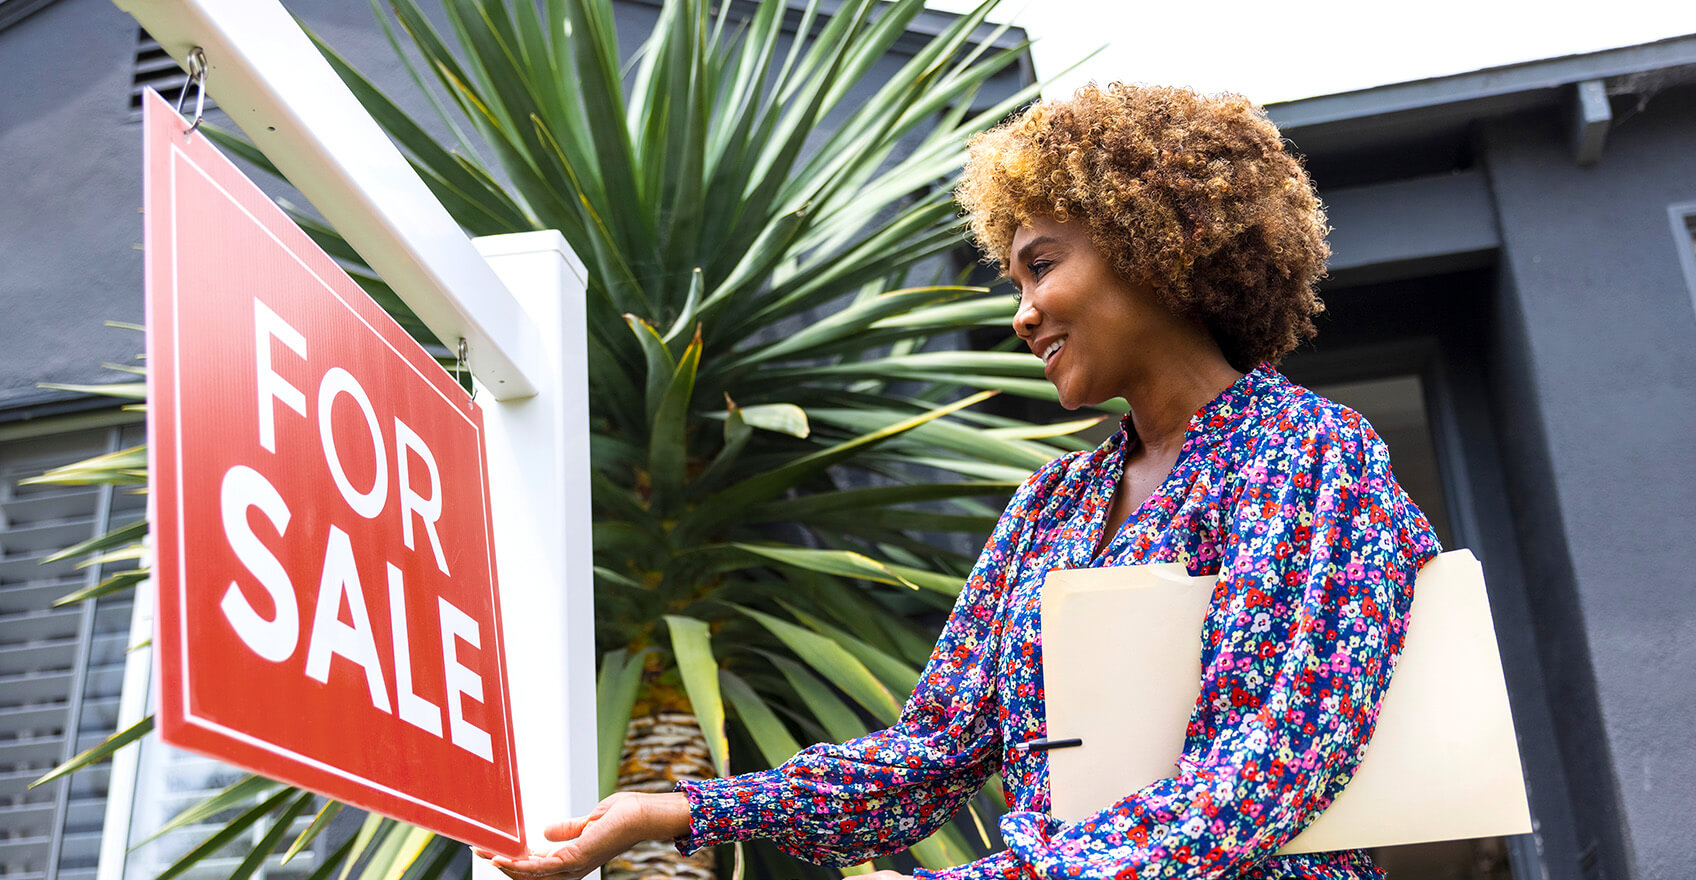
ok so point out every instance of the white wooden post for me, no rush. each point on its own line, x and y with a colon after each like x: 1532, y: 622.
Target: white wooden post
x: 538, y: 451
x: 132, y: 707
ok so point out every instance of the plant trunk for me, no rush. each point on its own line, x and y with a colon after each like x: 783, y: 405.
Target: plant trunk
x: 663, y: 744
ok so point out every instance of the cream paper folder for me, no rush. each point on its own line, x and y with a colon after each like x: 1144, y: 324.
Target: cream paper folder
x: 1122, y: 672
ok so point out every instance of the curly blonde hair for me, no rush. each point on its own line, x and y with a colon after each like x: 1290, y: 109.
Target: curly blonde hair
x: 1193, y: 194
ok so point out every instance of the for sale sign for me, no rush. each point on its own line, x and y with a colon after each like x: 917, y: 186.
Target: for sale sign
x: 323, y: 554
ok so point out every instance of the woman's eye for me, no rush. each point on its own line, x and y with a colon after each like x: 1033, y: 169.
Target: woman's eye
x: 1038, y: 267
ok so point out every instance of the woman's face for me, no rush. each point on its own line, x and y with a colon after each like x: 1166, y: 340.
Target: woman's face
x: 1093, y: 330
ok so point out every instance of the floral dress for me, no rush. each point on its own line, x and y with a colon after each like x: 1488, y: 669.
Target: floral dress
x: 1289, y: 499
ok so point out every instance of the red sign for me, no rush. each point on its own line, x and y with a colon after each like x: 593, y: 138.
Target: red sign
x: 322, y: 548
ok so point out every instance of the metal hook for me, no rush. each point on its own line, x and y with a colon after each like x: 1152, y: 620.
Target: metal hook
x: 197, y: 78
x: 463, y: 366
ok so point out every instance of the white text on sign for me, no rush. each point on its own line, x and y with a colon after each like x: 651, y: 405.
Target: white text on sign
x: 244, y: 489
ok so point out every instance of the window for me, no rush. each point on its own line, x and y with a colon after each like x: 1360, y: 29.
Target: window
x: 1396, y: 408
x: 1683, y: 217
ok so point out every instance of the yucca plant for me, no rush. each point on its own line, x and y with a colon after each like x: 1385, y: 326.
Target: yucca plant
x: 787, y: 464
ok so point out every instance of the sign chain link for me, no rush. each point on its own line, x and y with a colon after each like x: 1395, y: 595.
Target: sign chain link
x: 196, y: 78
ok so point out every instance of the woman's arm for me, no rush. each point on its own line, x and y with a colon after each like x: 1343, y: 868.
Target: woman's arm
x: 843, y: 804
x: 1316, y: 581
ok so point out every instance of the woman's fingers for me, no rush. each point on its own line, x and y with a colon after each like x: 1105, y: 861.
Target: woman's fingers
x: 523, y: 869
x: 567, y: 861
x: 568, y: 829
x: 571, y: 829
x: 559, y: 866
x: 585, y: 842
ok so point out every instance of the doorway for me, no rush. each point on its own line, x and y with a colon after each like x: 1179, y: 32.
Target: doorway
x: 1415, y: 357
x: 1396, y: 407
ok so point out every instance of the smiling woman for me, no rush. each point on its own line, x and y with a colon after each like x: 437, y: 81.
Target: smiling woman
x: 1091, y: 327
x: 1195, y: 196
x: 1165, y: 248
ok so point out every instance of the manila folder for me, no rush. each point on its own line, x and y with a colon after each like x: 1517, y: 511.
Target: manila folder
x: 1122, y: 672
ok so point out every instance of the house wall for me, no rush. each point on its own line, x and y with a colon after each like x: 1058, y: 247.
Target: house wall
x: 1595, y: 383
x: 70, y: 222
x: 70, y: 226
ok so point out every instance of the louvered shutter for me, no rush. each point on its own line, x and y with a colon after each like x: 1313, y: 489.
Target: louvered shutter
x: 169, y: 781
x: 61, y: 669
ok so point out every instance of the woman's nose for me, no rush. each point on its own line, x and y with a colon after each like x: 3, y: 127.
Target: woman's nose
x: 1026, y: 318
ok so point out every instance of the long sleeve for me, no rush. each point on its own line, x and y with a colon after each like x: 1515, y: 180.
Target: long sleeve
x: 1318, y: 559
x: 843, y: 804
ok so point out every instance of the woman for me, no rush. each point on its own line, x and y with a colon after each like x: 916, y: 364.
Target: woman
x: 1165, y: 248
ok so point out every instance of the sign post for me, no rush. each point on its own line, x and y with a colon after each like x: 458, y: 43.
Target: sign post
x: 538, y: 452
x: 266, y: 75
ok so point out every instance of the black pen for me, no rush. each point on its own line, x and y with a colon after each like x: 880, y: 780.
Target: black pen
x: 1044, y: 745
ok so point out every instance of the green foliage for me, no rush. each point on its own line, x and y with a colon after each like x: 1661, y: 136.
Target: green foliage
x: 784, y: 445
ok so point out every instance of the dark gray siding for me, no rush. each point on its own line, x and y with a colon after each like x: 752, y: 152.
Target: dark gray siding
x: 1600, y: 402
x: 69, y: 221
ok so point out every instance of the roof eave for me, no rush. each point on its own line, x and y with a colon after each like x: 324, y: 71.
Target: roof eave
x: 1480, y: 93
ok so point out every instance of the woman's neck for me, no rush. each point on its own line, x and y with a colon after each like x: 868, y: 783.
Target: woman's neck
x: 1161, y: 406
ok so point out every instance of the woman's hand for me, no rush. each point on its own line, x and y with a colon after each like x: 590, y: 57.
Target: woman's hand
x: 885, y: 875
x: 615, y: 825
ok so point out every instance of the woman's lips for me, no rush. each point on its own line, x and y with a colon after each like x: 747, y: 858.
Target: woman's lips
x: 1052, y: 353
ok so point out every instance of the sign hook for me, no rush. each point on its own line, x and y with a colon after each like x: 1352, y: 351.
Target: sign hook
x: 463, y: 366
x: 196, y: 78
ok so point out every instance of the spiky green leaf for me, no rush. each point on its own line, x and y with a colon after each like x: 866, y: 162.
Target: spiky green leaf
x: 98, y: 752
x: 691, y: 644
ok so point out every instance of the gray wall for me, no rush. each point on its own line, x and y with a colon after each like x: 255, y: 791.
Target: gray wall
x: 1597, y: 398
x: 69, y: 221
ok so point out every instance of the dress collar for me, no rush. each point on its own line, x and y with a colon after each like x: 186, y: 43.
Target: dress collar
x: 1223, y: 413
x: 1217, y: 418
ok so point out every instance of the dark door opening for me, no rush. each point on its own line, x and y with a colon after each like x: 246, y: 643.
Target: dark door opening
x: 1414, y: 357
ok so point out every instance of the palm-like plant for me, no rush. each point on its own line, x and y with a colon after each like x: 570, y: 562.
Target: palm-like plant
x: 784, y: 450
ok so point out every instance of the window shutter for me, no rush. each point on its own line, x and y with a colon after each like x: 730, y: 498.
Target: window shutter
x: 171, y: 780
x: 61, y: 669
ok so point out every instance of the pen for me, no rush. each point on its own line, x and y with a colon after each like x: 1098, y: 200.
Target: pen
x: 1043, y: 745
